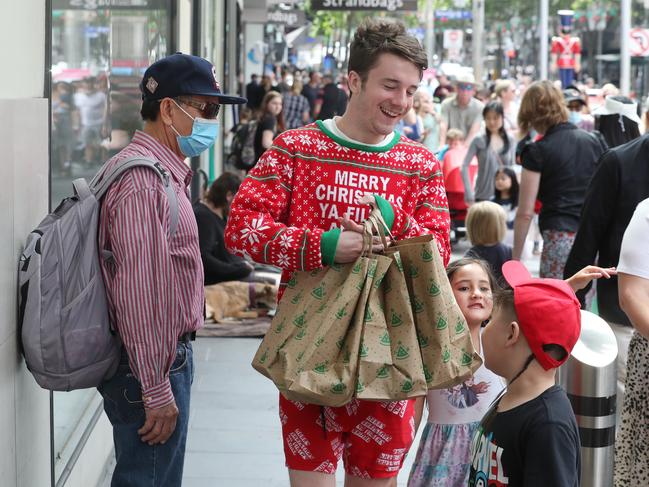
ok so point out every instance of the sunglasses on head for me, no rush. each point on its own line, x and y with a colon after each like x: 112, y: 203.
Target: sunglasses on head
x: 209, y: 110
x: 465, y: 86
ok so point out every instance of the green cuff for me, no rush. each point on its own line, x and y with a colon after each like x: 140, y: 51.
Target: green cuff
x: 387, y: 212
x: 328, y: 244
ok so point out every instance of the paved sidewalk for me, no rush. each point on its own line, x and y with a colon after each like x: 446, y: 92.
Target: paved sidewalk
x: 234, y: 431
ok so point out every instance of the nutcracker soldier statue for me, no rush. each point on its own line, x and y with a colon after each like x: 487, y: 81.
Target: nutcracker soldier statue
x: 566, y: 50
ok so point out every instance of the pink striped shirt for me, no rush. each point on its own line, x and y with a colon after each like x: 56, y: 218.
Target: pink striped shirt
x: 155, y: 286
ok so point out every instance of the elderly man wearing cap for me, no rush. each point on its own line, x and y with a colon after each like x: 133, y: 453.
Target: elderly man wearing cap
x: 462, y: 111
x: 154, y: 280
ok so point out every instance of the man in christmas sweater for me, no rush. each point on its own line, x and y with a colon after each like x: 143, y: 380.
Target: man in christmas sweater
x: 289, y: 212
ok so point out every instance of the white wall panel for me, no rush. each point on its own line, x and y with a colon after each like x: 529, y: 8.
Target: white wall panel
x: 7, y: 410
x: 22, y: 36
x: 24, y: 144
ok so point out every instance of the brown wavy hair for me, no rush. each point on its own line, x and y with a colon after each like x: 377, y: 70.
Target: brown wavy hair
x: 263, y: 109
x: 377, y: 36
x: 542, y: 107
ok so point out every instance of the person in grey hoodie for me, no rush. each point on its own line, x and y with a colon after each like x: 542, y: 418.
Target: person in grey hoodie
x: 494, y: 149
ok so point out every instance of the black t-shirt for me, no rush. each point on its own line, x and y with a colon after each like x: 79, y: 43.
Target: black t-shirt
x: 533, y: 445
x: 267, y: 123
x: 494, y: 255
x: 334, y: 102
x: 311, y: 93
x: 219, y: 265
x: 566, y: 157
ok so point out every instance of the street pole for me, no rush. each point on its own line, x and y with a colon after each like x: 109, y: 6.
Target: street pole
x: 478, y: 39
x: 625, y: 53
x: 543, y: 34
x: 430, y: 31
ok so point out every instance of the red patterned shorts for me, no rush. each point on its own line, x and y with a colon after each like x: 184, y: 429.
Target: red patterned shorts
x: 371, y: 437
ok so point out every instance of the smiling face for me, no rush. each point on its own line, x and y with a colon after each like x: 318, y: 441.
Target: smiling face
x: 379, y: 103
x: 472, y: 292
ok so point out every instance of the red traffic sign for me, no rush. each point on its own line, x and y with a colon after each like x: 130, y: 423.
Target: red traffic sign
x: 639, y: 42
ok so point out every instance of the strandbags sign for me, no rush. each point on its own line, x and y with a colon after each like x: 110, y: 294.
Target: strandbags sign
x: 109, y: 4
x: 292, y: 18
x: 389, y: 5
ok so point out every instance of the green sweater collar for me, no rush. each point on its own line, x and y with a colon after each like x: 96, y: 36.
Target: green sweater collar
x: 357, y: 146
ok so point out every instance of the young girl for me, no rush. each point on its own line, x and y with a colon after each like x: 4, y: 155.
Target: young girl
x: 454, y: 413
x: 486, y: 227
x: 506, y: 193
x: 494, y: 149
x: 271, y: 122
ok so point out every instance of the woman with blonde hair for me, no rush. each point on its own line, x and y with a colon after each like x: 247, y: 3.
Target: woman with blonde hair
x: 486, y: 227
x: 505, y: 93
x: 557, y: 168
x: 434, y: 127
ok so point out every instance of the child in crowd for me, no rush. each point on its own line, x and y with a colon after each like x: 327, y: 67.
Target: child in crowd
x: 486, y: 226
x: 506, y: 193
x: 529, y: 436
x: 494, y: 149
x: 454, y: 413
x: 454, y: 141
x: 452, y: 159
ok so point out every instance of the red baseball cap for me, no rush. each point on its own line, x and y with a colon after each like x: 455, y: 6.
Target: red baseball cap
x: 548, y: 312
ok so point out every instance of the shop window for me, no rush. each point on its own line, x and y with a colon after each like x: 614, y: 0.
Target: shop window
x: 100, y: 49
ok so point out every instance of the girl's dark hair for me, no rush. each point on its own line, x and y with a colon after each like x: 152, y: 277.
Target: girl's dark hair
x: 456, y: 265
x: 513, y: 191
x: 496, y: 106
x: 617, y: 129
x: 226, y: 182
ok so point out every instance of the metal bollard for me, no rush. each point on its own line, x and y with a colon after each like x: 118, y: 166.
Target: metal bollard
x: 590, y: 379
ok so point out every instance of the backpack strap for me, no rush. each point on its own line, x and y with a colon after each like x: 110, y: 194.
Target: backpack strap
x: 104, y: 178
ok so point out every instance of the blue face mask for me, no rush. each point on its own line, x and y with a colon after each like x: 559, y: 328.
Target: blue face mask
x: 574, y: 117
x: 203, y: 136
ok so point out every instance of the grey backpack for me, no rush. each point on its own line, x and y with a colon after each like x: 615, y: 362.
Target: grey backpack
x: 67, y: 339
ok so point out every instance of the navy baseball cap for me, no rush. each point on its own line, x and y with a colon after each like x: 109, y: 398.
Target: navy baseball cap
x: 182, y: 74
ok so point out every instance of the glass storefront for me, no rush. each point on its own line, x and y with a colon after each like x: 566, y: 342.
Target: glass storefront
x: 100, y: 49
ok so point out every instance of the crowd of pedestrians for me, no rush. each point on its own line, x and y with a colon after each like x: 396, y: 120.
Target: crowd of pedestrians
x: 80, y: 122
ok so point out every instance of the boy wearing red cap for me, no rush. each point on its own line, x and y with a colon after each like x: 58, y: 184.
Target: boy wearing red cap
x: 530, y: 436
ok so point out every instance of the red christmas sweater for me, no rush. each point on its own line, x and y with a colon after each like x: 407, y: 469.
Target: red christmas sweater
x: 285, y: 212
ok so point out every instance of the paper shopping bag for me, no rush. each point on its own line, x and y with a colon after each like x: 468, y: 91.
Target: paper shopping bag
x: 390, y: 366
x: 444, y: 340
x: 311, y: 349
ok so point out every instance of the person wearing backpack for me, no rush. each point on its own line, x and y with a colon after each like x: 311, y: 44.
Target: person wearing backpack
x: 154, y: 281
x: 242, y: 148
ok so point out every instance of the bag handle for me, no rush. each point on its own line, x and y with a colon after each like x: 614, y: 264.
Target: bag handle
x: 374, y: 226
x: 378, y: 223
x: 367, y: 239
